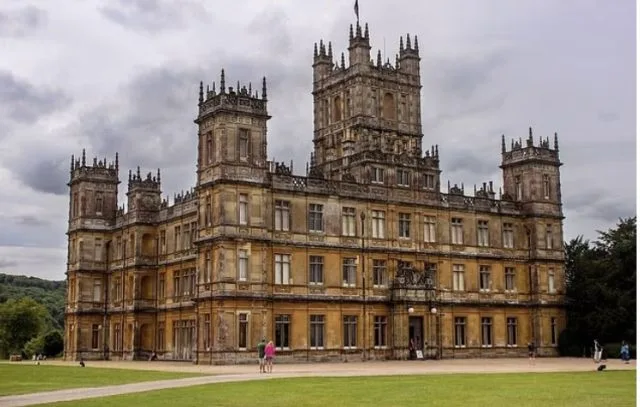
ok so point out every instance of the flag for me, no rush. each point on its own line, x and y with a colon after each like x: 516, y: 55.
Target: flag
x: 355, y: 8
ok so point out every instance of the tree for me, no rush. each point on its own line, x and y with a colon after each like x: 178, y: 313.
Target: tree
x: 601, y: 288
x: 53, y: 343
x: 20, y: 321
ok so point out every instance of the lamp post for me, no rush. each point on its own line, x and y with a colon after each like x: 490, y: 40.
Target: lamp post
x: 364, y: 294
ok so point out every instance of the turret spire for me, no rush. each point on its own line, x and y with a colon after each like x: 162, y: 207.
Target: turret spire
x: 201, y: 97
x: 222, y: 81
x: 264, y: 88
x: 504, y: 147
x: 84, y: 158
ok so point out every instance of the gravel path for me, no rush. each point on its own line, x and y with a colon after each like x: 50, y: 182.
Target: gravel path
x: 236, y: 373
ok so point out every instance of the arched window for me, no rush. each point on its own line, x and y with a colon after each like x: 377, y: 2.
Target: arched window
x: 337, y: 109
x: 389, y: 107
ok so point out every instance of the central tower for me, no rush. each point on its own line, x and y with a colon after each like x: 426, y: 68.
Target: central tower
x: 366, y: 114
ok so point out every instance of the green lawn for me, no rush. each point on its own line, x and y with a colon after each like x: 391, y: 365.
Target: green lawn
x: 491, y: 390
x: 29, y: 378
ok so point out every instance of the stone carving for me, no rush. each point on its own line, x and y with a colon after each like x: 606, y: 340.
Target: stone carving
x: 221, y: 261
x: 348, y: 177
x: 223, y: 331
x: 414, y: 278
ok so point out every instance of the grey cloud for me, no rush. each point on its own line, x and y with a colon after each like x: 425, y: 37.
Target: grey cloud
x: 593, y: 204
x: 21, y: 22
x: 23, y: 102
x: 153, y: 15
x: 31, y: 220
x: 48, y: 174
x: 5, y: 264
x: 462, y: 76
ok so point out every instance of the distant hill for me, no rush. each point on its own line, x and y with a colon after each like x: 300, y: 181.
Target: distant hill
x: 49, y: 293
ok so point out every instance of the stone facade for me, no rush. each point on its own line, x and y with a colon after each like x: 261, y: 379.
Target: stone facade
x: 365, y: 257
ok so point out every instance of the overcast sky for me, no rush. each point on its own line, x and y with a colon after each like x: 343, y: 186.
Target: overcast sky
x: 123, y: 75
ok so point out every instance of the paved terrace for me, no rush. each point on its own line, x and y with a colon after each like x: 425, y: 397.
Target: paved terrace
x: 237, y: 373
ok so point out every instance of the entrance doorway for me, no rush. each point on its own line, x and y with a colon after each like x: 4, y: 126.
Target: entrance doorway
x: 416, y: 336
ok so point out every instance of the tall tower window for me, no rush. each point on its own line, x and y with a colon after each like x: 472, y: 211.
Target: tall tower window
x: 83, y: 205
x: 74, y: 206
x: 243, y: 265
x: 99, y: 204
x: 546, y: 186
x: 243, y: 207
x: 518, y: 188
x: 549, y: 237
x: 243, y: 146
x: 209, y: 149
x: 337, y: 109
x: 389, y: 110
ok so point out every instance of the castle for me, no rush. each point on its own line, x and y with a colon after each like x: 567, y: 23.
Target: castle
x: 363, y: 258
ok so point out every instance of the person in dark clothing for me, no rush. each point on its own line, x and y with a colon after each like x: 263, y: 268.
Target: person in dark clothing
x: 261, y: 346
x: 532, y: 353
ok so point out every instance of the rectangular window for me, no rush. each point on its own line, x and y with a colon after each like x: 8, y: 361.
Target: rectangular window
x: 316, y: 334
x: 518, y: 188
x: 160, y: 336
x: 243, y: 146
x: 403, y: 178
x: 243, y: 209
x: 95, y: 335
x: 485, y: 278
x: 117, y: 288
x: 379, y: 273
x: 456, y: 231
x: 207, y: 266
x: 507, y: 235
x: 509, y: 279
x: 404, y: 225
x: 380, y: 331
x: 316, y: 270
x: 554, y: 332
x: 194, y: 232
x: 206, y: 338
x: 208, y: 149
x: 546, y: 186
x: 350, y: 330
x: 460, y: 340
x: 161, y: 285
x: 377, y: 175
x: 99, y: 205
x: 458, y: 277
x: 430, y: 229
x: 243, y: 331
x: 512, y: 331
x: 176, y: 238
x: 315, y: 218
x: 243, y: 265
x: 349, y: 272
x: 97, y: 290
x: 117, y: 338
x: 282, y: 216
x: 207, y: 211
x: 549, y: 239
x: 348, y: 221
x: 487, y: 332
x: 163, y: 242
x: 283, y: 331
x: 377, y: 224
x: 98, y: 250
x: 551, y: 276
x: 186, y: 237
x: 429, y: 181
x: 282, y: 268
x: 483, y: 233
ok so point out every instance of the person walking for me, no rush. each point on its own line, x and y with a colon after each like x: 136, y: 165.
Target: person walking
x: 597, y: 351
x: 270, y: 354
x: 625, y: 352
x: 532, y: 353
x: 261, y: 351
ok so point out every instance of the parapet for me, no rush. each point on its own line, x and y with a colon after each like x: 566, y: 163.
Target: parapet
x: 97, y: 171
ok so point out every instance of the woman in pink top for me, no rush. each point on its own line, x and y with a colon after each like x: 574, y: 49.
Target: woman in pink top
x: 269, y: 353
